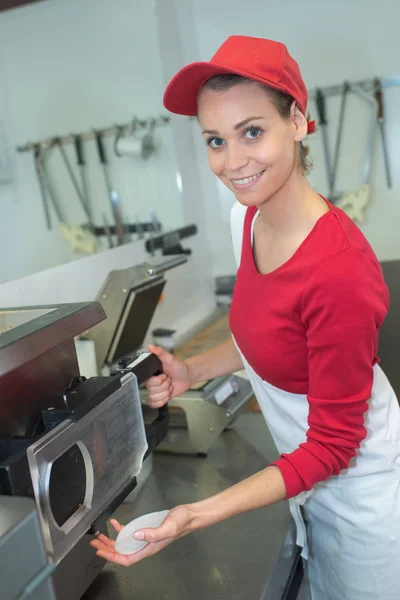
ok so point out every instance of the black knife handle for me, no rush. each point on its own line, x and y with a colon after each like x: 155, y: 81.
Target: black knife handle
x: 79, y: 150
x: 320, y: 101
x: 379, y: 99
x: 100, y: 148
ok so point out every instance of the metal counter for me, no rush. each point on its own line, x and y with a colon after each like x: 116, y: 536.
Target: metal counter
x: 232, y: 560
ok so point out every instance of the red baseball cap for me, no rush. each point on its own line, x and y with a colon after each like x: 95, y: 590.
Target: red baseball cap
x: 258, y: 59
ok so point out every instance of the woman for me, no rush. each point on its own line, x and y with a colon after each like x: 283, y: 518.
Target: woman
x: 306, y: 311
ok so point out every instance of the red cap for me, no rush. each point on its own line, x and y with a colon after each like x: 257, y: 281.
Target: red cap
x: 261, y: 60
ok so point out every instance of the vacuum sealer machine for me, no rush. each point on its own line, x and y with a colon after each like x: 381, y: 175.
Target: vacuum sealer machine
x: 70, y: 450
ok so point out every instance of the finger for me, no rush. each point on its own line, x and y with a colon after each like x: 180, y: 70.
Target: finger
x: 98, y: 545
x: 115, y: 557
x: 146, y: 552
x: 155, y: 380
x: 105, y: 540
x: 159, y: 396
x: 159, y: 534
x: 159, y: 399
x: 156, y: 389
x: 116, y: 525
x: 165, y: 357
x: 129, y: 559
x: 159, y: 404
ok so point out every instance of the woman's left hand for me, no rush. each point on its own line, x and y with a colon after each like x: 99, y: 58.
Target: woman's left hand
x: 177, y: 523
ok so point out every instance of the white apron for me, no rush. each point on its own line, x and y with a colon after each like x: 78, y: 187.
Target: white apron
x: 349, y: 526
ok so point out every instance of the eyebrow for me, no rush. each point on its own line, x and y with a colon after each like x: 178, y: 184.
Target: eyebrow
x: 236, y: 127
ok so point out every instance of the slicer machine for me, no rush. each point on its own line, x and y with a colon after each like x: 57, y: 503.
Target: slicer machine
x: 130, y: 298
x: 70, y: 450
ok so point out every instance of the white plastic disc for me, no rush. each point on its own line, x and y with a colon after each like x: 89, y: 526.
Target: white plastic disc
x: 126, y: 543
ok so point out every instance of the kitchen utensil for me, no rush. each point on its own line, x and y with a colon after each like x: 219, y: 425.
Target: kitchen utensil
x: 80, y: 161
x: 355, y: 202
x: 148, y: 143
x: 371, y: 134
x: 381, y: 122
x: 49, y: 185
x: 126, y: 142
x: 131, y: 143
x: 112, y: 194
x: 38, y: 169
x: 71, y: 174
x: 334, y: 195
x: 321, y: 108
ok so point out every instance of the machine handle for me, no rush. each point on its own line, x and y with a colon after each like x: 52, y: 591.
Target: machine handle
x: 145, y: 366
x: 157, y: 430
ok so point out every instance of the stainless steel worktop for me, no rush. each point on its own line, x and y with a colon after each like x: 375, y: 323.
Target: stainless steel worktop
x: 233, y: 560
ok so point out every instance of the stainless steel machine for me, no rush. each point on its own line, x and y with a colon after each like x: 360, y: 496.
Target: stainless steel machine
x: 130, y: 297
x: 25, y: 570
x: 201, y: 414
x: 71, y: 449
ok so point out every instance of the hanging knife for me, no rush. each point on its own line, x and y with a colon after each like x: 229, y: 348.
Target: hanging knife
x: 80, y: 161
x: 381, y: 121
x: 112, y: 194
x: 320, y: 101
x: 49, y: 186
x: 38, y: 166
x: 58, y: 143
x: 345, y: 89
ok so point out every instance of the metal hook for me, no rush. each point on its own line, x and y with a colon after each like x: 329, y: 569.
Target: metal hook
x: 120, y: 132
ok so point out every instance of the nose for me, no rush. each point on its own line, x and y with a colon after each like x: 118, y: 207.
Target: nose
x: 236, y: 158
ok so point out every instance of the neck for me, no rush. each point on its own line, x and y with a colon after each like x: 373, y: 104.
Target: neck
x: 294, y: 207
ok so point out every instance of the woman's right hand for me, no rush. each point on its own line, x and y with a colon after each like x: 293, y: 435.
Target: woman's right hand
x: 175, y: 379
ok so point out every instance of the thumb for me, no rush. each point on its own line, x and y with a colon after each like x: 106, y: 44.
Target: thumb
x: 165, y: 531
x: 165, y: 357
x: 116, y: 525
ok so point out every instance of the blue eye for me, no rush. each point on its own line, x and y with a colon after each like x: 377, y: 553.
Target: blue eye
x: 215, y: 142
x: 253, y: 132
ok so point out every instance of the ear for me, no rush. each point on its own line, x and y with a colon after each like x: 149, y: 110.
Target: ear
x: 299, y: 121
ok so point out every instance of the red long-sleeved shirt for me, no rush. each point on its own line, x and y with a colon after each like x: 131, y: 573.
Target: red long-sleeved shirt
x: 311, y: 327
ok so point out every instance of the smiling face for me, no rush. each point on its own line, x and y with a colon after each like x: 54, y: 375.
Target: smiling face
x: 252, y: 149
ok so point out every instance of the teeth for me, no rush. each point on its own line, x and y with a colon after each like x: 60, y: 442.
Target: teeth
x: 246, y: 179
